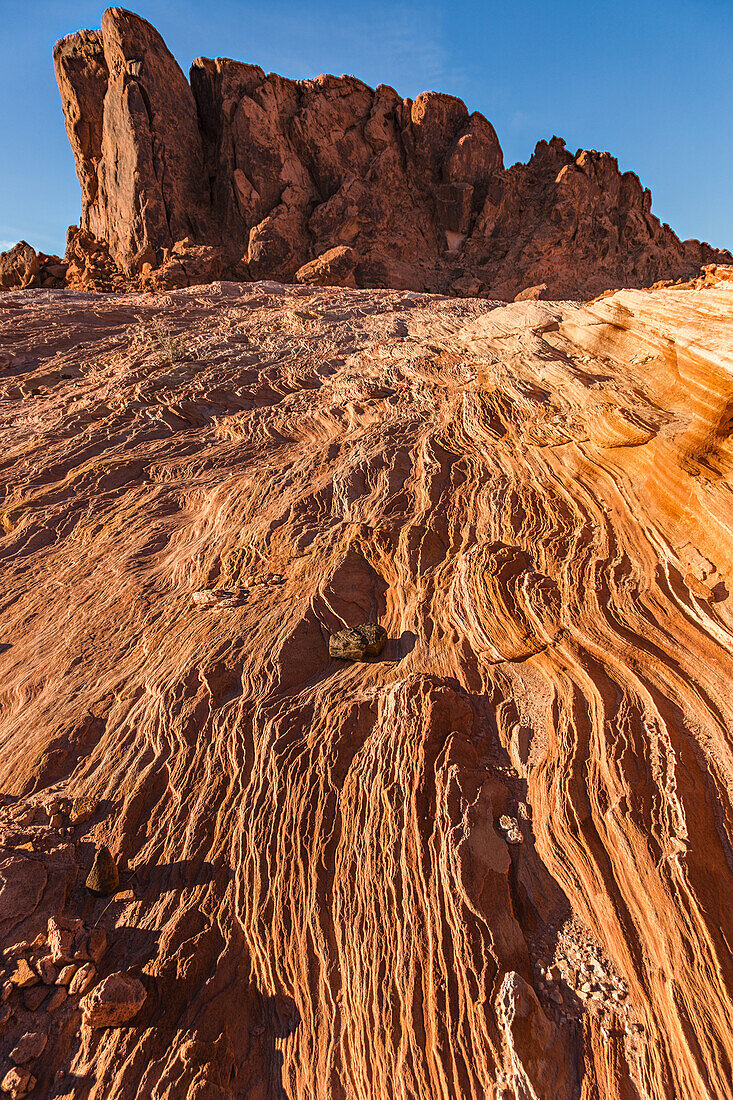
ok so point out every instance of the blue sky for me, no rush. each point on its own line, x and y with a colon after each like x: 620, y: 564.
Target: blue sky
x: 648, y: 80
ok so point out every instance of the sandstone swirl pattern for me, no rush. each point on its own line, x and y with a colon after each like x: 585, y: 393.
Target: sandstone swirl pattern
x: 352, y: 880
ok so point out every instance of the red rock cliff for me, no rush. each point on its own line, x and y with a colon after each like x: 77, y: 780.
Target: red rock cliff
x: 254, y: 175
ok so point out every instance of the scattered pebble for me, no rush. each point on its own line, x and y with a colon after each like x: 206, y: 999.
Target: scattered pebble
x: 509, y: 827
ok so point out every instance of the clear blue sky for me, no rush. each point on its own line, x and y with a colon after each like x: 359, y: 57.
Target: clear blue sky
x: 648, y: 80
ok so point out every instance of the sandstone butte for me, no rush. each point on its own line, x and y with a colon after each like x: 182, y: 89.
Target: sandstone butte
x: 493, y: 862
x: 239, y: 174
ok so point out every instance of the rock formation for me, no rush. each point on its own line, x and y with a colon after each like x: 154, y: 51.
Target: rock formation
x: 253, y: 176
x: 494, y: 862
x: 22, y: 267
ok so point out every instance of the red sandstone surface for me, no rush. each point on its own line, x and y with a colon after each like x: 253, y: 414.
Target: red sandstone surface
x: 240, y: 174
x: 492, y: 862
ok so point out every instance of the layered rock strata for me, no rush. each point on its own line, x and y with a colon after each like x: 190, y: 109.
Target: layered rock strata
x: 254, y: 176
x: 493, y: 862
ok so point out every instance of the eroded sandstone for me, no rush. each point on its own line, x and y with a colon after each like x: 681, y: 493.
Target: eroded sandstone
x: 493, y: 863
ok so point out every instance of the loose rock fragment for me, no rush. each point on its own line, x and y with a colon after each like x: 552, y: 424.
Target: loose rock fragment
x: 18, y: 1082
x: 64, y: 934
x: 57, y: 998
x: 82, y: 809
x: 66, y: 974
x: 23, y: 976
x: 358, y: 643
x: 104, y: 878
x: 47, y: 970
x: 34, y: 998
x: 96, y: 944
x: 30, y: 1046
x: 510, y: 829
x: 82, y: 979
x: 114, y: 1002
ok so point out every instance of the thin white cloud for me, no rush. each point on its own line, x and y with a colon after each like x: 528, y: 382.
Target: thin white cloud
x: 5, y: 245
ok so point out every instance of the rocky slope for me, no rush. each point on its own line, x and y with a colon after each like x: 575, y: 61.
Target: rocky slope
x: 495, y: 860
x: 253, y: 176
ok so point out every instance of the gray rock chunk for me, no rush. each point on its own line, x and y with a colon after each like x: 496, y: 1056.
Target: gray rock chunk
x: 358, y: 643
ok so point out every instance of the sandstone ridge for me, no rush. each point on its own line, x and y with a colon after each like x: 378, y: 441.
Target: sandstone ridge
x: 247, y: 175
x: 490, y: 860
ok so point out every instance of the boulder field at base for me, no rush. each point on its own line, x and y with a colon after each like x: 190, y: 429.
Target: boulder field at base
x: 493, y: 863
x: 239, y: 174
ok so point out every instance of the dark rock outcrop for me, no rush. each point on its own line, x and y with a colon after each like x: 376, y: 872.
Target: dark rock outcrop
x: 273, y: 173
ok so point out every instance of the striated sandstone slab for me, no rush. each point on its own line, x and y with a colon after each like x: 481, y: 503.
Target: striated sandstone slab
x: 493, y: 863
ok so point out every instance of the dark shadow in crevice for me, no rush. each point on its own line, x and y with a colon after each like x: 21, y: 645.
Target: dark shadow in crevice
x: 281, y: 1020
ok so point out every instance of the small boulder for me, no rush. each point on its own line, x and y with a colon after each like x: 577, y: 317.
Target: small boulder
x: 66, y: 974
x: 62, y: 935
x: 358, y: 643
x: 18, y: 1082
x: 82, y: 809
x: 34, y: 998
x: 29, y: 1046
x: 47, y: 970
x: 332, y: 268
x: 96, y: 944
x: 114, y: 1002
x: 104, y: 878
x: 57, y: 998
x: 23, y: 976
x: 531, y: 293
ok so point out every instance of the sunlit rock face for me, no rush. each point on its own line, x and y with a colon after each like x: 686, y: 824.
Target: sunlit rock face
x: 492, y: 859
x: 254, y: 176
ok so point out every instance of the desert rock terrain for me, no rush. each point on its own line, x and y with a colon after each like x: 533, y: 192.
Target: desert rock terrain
x: 240, y: 174
x: 492, y: 861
